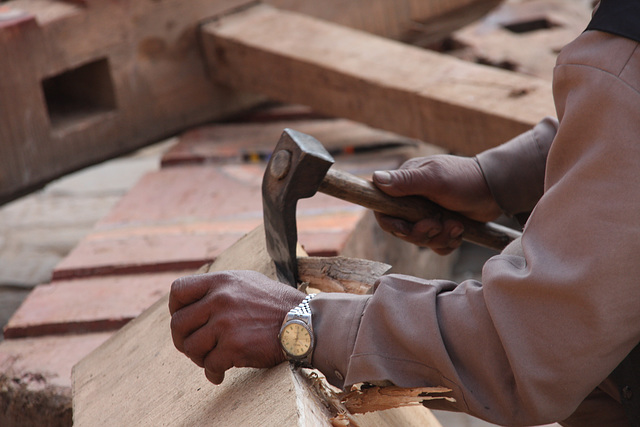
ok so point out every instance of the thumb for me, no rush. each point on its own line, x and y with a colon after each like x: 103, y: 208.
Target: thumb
x: 400, y: 182
x: 214, y: 377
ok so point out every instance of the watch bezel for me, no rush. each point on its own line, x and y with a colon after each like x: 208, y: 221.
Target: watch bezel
x: 309, y: 330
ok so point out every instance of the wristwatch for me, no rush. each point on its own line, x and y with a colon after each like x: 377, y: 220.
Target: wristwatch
x: 296, y: 334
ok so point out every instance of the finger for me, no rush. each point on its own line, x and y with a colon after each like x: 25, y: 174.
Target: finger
x: 214, y: 377
x: 396, y: 226
x: 427, y: 179
x: 449, y: 239
x: 443, y: 251
x: 420, y: 233
x: 200, y: 343
x: 215, y: 365
x: 425, y: 231
x: 186, y: 290
x: 396, y: 183
x: 186, y: 321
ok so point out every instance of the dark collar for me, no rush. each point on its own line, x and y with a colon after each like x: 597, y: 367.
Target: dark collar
x: 619, y: 17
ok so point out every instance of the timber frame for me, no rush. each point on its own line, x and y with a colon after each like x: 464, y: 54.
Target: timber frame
x: 87, y: 80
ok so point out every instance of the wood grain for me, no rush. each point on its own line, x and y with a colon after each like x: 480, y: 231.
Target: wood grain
x: 135, y: 73
x: 138, y: 378
x: 338, y: 71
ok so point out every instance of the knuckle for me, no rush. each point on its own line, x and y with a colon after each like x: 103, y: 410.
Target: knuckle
x: 178, y: 285
x: 443, y: 252
x: 178, y: 342
x: 222, y: 277
x: 223, y: 298
x: 225, y: 326
x: 176, y: 323
x: 406, y: 177
x: 194, y: 352
x: 191, y: 347
x: 177, y: 293
x: 383, y: 220
x: 436, y: 173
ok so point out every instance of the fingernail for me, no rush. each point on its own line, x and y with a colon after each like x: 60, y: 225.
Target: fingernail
x: 456, y: 232
x: 382, y: 177
x: 399, y: 234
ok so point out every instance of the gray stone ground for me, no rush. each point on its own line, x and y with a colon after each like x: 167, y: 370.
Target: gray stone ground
x: 38, y: 230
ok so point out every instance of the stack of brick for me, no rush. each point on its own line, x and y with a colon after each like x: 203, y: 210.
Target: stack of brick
x: 205, y: 196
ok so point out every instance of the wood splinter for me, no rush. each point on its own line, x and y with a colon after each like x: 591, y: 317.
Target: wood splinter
x: 362, y: 399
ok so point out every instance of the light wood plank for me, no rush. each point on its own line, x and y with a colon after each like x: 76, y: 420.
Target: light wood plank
x: 396, y: 19
x: 138, y: 378
x: 463, y: 107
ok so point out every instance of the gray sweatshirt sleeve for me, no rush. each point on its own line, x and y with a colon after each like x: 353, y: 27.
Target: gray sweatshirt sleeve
x: 515, y: 170
x: 528, y: 343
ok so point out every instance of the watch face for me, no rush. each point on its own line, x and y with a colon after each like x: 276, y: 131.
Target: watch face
x: 295, y: 339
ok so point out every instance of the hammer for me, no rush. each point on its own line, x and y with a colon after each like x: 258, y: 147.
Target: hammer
x: 300, y: 166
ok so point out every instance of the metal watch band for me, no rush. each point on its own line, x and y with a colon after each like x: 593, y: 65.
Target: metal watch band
x: 303, y: 308
x: 301, y: 313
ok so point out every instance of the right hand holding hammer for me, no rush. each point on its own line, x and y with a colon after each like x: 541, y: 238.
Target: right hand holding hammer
x: 453, y: 182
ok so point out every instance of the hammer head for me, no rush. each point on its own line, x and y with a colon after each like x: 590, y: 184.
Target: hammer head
x: 297, y: 166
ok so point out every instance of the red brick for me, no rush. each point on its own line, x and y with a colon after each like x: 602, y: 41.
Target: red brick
x: 188, y: 194
x: 183, y: 217
x: 226, y: 143
x: 144, y: 250
x: 88, y: 305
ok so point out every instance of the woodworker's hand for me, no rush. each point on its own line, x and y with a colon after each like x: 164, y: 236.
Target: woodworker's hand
x: 453, y: 182
x: 232, y: 318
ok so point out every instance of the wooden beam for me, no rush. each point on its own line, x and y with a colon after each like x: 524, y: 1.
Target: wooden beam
x: 89, y: 79
x: 461, y: 106
x: 138, y: 378
x: 396, y: 19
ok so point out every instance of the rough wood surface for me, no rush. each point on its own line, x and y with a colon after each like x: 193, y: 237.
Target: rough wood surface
x: 463, y: 107
x: 138, y: 378
x: 523, y: 36
x: 397, y: 19
x: 372, y: 399
x: 90, y: 79
x: 340, y: 274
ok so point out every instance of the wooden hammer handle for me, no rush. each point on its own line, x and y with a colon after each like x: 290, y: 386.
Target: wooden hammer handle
x: 353, y: 189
